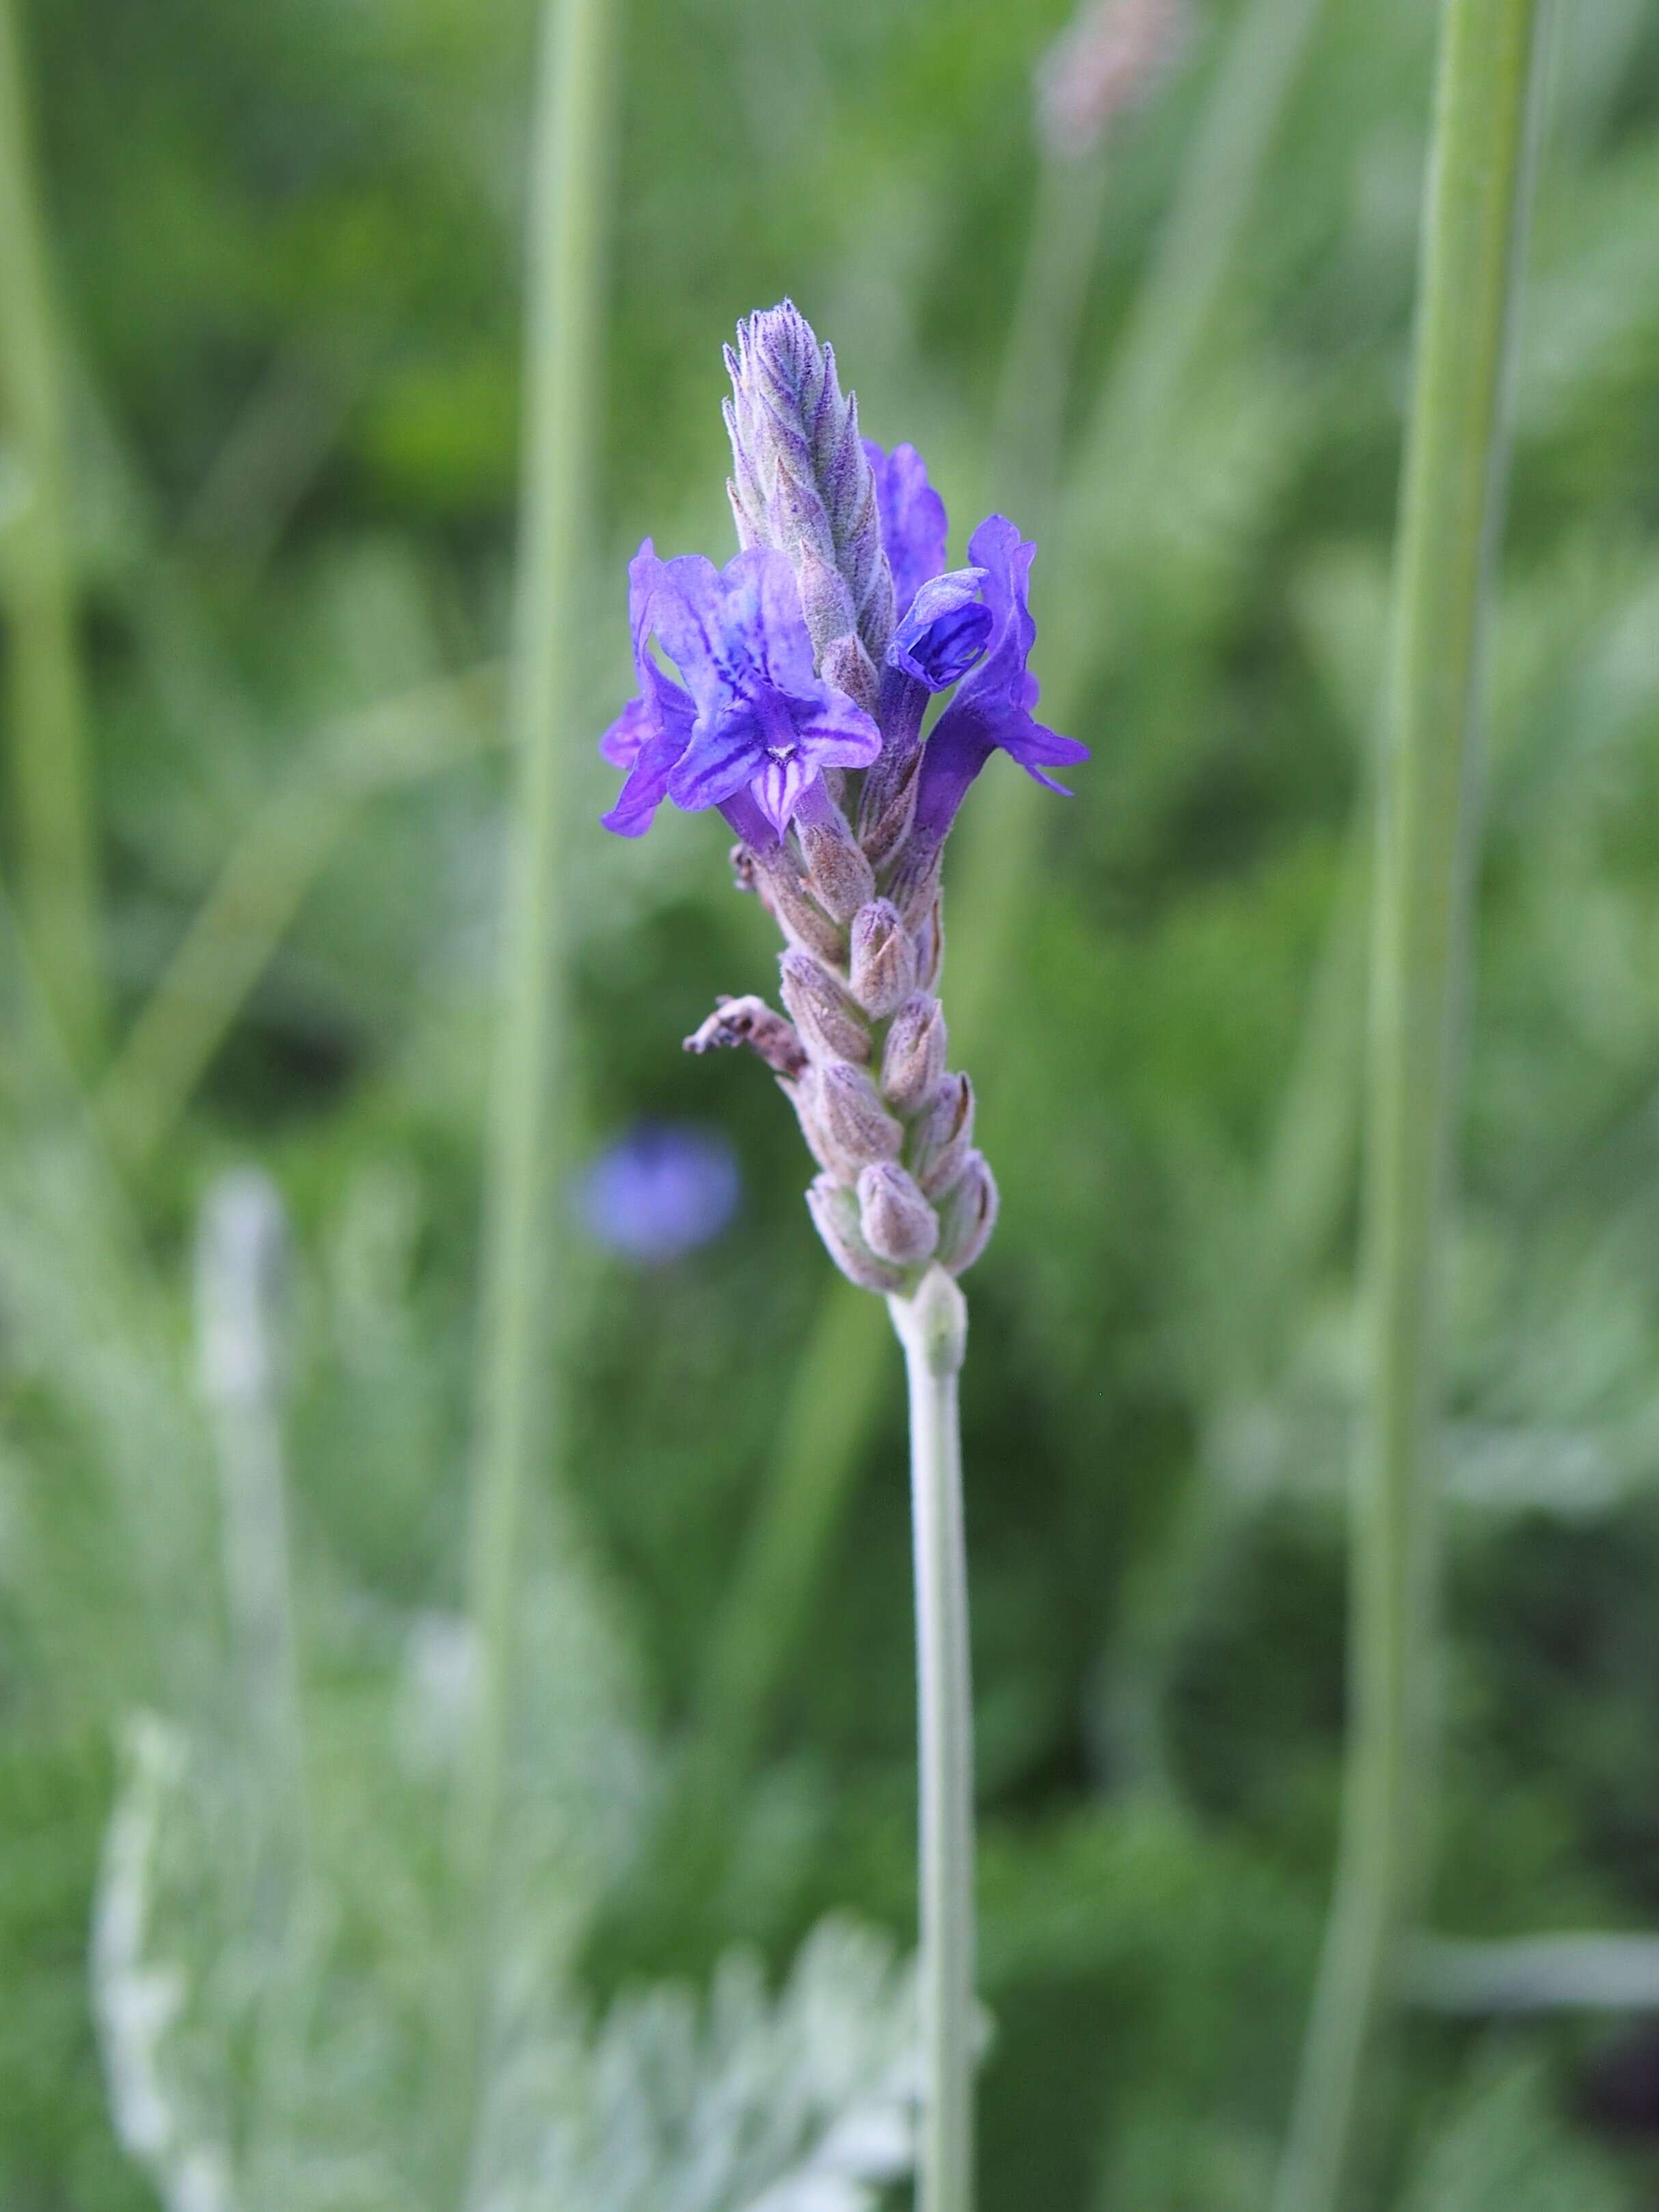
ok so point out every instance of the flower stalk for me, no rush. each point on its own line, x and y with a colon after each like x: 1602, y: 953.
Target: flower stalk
x: 51, y: 781
x: 932, y: 1327
x: 807, y: 670
x: 1474, y: 223
x: 570, y: 135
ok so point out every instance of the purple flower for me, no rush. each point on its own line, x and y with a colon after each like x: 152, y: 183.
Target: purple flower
x: 945, y: 624
x: 944, y: 630
x: 652, y: 732
x: 755, y: 725
x: 659, y: 1192
x: 992, y: 709
x: 913, y: 524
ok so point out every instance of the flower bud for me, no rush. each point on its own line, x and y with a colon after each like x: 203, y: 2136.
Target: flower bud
x: 835, y: 1213
x: 802, y: 1095
x: 845, y: 664
x: 801, y: 479
x: 884, y: 967
x: 914, y: 886
x: 967, y: 1216
x: 795, y: 515
x: 743, y: 486
x: 945, y: 1136
x: 825, y: 601
x: 840, y: 877
x: 913, y: 1058
x: 898, y: 1223
x: 929, y: 940
x: 797, y: 913
x: 887, y: 807
x: 828, y: 1020
x: 856, y: 1125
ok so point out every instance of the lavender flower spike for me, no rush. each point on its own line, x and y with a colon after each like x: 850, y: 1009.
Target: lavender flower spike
x: 801, y: 716
x: 775, y: 716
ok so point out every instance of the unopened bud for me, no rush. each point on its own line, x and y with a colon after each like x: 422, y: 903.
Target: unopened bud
x: 858, y: 1127
x: 915, y: 881
x: 743, y: 486
x: 845, y: 664
x: 825, y: 601
x: 802, y: 1095
x: 835, y: 1213
x: 801, y: 479
x: 945, y: 1136
x: 897, y: 1222
x: 797, y: 913
x: 828, y: 1020
x: 887, y: 806
x: 913, y: 1060
x: 840, y: 877
x: 967, y: 1216
x: 883, y: 965
x: 929, y: 940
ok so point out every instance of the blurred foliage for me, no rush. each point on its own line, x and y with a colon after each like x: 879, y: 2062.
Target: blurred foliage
x: 287, y: 248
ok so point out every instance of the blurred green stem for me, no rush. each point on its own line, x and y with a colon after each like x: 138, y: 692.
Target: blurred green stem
x: 932, y: 1327
x: 54, y: 850
x: 839, y: 1387
x: 1126, y: 442
x: 804, y: 1498
x: 1043, y: 335
x: 515, y: 1433
x: 1474, y: 227
x: 238, y: 926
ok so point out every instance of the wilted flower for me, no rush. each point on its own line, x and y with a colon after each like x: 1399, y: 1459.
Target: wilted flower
x: 809, y: 666
x: 659, y: 1192
x: 1110, y: 58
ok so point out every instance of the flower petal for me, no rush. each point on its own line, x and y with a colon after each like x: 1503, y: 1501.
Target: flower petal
x: 647, y: 786
x: 623, y: 741
x: 945, y: 630
x: 780, y: 786
x: 912, y: 522
x: 836, y: 733
x: 724, y: 754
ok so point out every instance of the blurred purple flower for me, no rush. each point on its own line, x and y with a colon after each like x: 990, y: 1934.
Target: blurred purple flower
x: 659, y: 1191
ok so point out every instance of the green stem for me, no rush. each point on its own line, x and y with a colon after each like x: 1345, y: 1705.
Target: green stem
x: 570, y: 157
x: 932, y: 1327
x: 1473, y: 227
x: 50, y: 783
